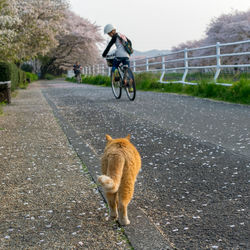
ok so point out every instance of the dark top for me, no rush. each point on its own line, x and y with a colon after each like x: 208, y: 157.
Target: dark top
x: 111, y: 43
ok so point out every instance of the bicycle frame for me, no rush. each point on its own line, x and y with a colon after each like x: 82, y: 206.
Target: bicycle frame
x: 121, y: 70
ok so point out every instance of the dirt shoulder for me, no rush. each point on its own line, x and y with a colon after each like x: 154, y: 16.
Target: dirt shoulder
x: 47, y: 197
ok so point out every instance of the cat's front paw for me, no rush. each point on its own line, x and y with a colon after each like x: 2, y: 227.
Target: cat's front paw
x: 124, y: 221
x: 113, y: 215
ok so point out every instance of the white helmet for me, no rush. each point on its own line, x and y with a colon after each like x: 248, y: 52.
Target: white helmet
x: 108, y: 28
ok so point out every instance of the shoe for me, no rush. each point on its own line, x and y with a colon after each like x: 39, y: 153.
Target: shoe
x: 131, y: 89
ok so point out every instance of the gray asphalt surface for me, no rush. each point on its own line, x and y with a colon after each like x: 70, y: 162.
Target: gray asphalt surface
x: 48, y: 199
x: 193, y: 190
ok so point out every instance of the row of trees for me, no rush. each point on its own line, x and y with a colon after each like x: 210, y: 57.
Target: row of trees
x: 48, y: 30
x: 226, y: 28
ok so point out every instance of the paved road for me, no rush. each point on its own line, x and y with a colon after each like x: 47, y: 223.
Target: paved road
x: 193, y: 190
x: 47, y: 198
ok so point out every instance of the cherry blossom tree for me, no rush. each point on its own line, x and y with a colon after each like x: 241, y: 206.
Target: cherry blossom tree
x: 41, y: 22
x: 230, y: 28
x: 9, y: 21
x: 79, y: 42
x: 29, y: 27
x: 226, y: 28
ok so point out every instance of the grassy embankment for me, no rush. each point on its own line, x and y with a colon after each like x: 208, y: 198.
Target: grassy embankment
x: 239, y: 92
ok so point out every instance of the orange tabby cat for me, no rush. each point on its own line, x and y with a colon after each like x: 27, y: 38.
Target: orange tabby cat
x: 121, y: 163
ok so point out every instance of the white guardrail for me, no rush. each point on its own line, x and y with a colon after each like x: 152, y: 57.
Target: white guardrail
x: 183, y: 61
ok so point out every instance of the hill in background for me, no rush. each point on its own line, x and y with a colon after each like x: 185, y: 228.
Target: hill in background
x: 149, y: 53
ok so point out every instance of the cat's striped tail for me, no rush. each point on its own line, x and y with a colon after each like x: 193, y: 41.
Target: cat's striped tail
x: 111, y: 181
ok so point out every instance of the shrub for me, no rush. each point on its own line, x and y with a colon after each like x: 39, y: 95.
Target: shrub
x: 144, y: 80
x: 97, y: 80
x: 71, y: 79
x: 5, y: 72
x: 30, y: 77
x: 14, y: 77
x: 22, y: 77
x: 49, y: 77
x: 27, y: 67
x: 10, y: 72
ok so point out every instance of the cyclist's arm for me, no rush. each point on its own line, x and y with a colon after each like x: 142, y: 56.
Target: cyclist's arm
x: 111, y: 43
x: 129, y: 41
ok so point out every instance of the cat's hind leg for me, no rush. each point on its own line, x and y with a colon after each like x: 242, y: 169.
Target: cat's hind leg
x: 112, y: 202
x: 124, y: 199
x: 123, y: 216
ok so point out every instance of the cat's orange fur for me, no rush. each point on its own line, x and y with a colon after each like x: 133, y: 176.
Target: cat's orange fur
x: 121, y: 163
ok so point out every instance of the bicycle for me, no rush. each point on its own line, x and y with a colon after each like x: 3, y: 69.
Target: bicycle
x: 78, y: 75
x: 78, y: 78
x: 122, y: 77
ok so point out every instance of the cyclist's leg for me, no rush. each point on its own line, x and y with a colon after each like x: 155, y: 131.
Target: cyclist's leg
x: 115, y: 65
x: 125, y: 61
x: 114, y: 71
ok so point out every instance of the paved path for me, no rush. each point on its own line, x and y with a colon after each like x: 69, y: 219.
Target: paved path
x: 193, y: 190
x: 47, y: 198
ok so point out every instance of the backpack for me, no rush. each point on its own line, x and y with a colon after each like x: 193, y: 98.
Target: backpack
x: 127, y: 44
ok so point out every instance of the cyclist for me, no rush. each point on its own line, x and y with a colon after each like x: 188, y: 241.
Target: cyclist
x: 121, y: 56
x: 77, y: 68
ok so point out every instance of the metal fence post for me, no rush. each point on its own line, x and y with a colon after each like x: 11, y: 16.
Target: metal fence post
x: 185, y: 65
x: 134, y: 66
x: 162, y: 67
x: 147, y: 68
x: 218, y: 61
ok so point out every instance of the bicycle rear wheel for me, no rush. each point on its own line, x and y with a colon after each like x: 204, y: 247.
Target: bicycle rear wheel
x: 116, y: 84
x: 129, y: 83
x: 79, y: 78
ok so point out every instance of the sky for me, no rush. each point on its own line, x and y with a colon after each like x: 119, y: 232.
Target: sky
x: 156, y: 24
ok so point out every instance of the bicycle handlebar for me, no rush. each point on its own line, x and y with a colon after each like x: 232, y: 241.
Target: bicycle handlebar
x: 110, y: 56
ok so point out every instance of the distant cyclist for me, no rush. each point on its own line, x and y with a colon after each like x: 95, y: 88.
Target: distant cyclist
x: 77, y: 68
x: 121, y: 56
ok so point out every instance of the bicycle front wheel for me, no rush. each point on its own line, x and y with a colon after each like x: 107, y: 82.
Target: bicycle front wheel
x: 129, y: 82
x: 116, y: 84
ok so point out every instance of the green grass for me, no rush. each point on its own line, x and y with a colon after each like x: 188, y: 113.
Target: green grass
x: 49, y: 77
x: 95, y: 80
x: 239, y: 92
x: 23, y: 85
x: 1, y: 107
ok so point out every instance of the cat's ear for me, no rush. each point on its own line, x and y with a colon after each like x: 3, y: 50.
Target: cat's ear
x: 128, y: 137
x: 108, y: 137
